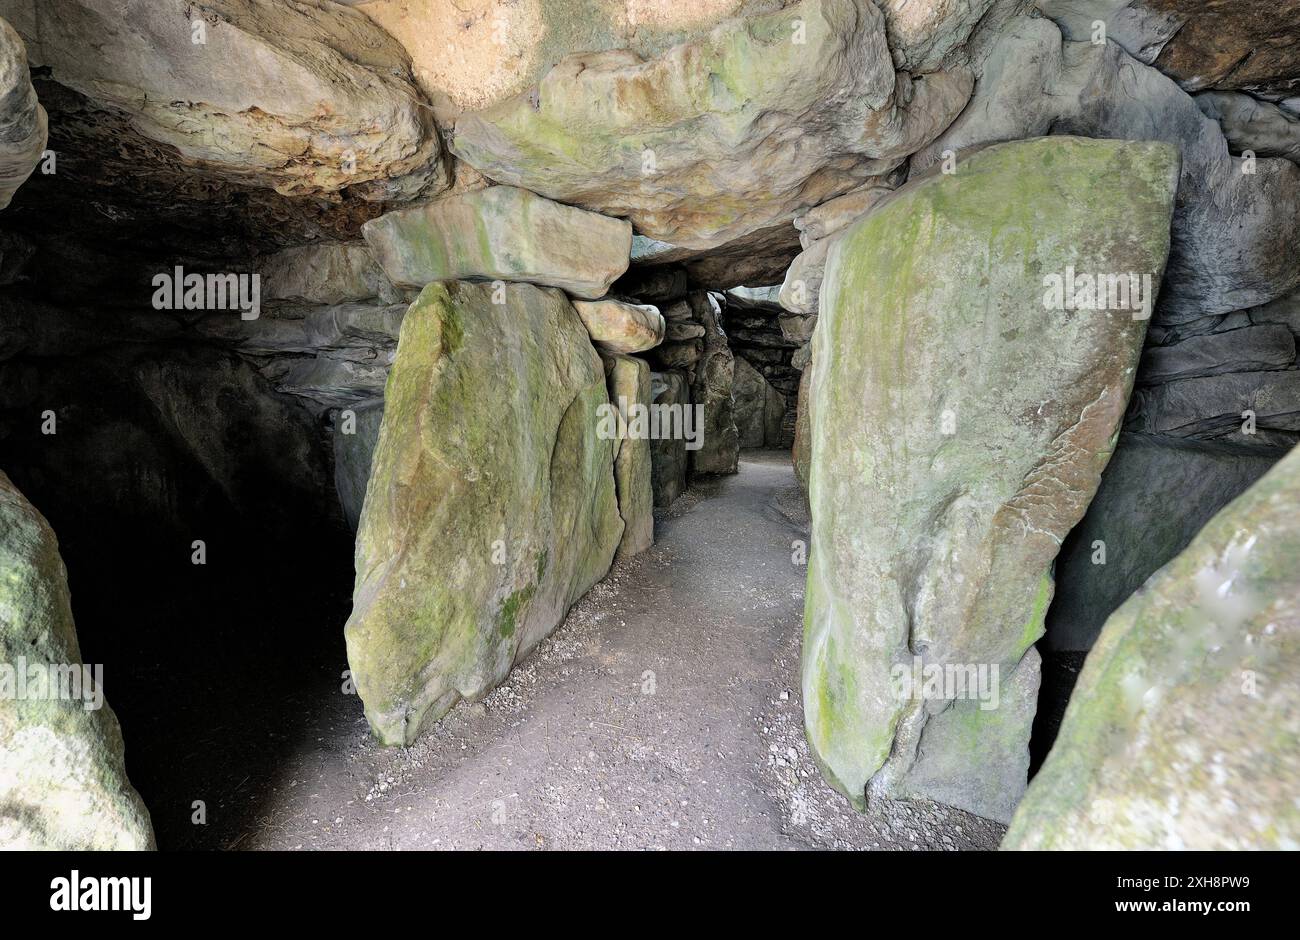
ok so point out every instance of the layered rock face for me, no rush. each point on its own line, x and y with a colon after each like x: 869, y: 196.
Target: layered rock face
x: 1162, y: 746
x: 63, y: 783
x: 492, y: 502
x: 941, y: 491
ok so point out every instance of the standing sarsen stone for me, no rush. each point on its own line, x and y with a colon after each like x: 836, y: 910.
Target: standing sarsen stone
x: 63, y: 783
x: 959, y: 430
x: 491, y: 505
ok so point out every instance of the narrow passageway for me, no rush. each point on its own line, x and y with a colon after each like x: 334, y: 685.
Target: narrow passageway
x: 664, y: 713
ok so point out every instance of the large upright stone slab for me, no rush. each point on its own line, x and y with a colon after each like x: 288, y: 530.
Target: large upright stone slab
x: 501, y: 233
x: 63, y: 783
x: 668, y: 453
x: 759, y: 408
x: 491, y: 505
x: 719, y: 450
x: 628, y: 379
x: 959, y: 429
x: 1184, y: 728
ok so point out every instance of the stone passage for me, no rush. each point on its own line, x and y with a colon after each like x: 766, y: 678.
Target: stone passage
x: 940, y: 491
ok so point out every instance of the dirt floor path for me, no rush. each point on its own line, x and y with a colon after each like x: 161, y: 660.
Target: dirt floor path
x: 664, y: 714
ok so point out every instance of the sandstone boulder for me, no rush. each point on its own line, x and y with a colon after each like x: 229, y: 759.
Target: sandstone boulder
x: 940, y: 491
x: 712, y: 389
x: 325, y: 273
x: 721, y: 136
x: 304, y: 98
x: 1243, y: 44
x: 618, y: 327
x: 491, y: 506
x: 759, y: 408
x: 801, y: 452
x: 356, y: 432
x: 1184, y: 728
x: 63, y: 783
x: 501, y: 233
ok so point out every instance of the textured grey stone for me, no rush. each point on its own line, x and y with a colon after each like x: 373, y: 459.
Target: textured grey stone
x: 668, y: 455
x: 759, y: 408
x: 303, y: 98
x: 1215, y: 406
x: 1250, y: 349
x: 1155, y: 495
x: 352, y: 454
x: 1232, y: 231
x: 63, y: 783
x: 1184, y: 726
x: 711, y: 387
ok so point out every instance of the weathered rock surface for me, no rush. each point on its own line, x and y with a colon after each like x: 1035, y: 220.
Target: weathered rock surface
x: 356, y: 432
x: 618, y: 327
x: 1246, y: 349
x: 326, y: 273
x: 628, y: 380
x: 1156, y: 494
x: 1243, y: 44
x: 473, y: 53
x: 668, y: 454
x: 501, y: 233
x: 63, y: 783
x: 724, y: 135
x: 305, y: 98
x: 491, y: 505
x: 801, y: 450
x: 940, y: 491
x: 23, y: 129
x: 330, y: 356
x: 803, y: 280
x: 759, y: 408
x: 1230, y: 228
x: 1184, y: 728
x: 712, y: 388
x: 1219, y: 406
x: 1250, y: 124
